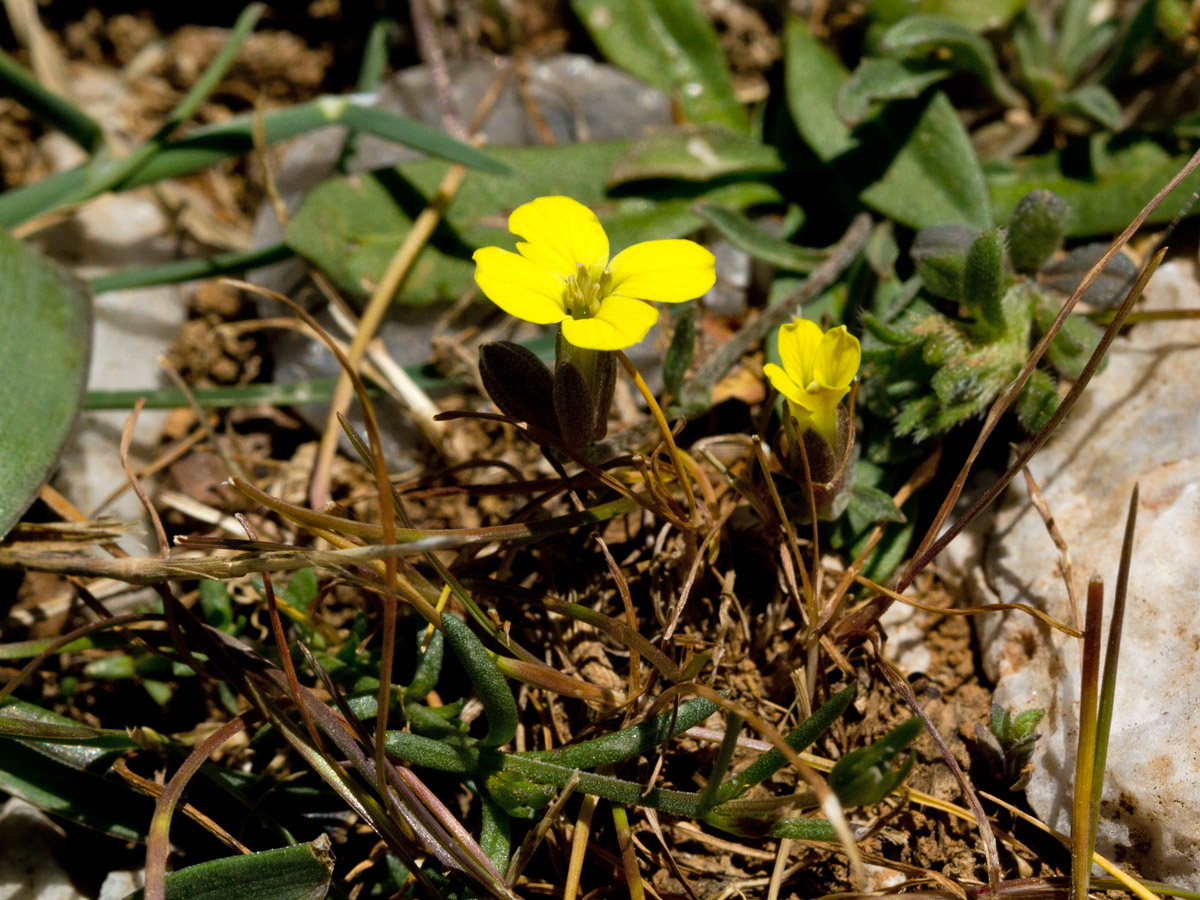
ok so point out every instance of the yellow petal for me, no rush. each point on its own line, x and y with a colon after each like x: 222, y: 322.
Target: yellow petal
x: 798, y: 343
x: 781, y: 382
x: 669, y: 271
x: 560, y: 234
x: 824, y: 403
x: 838, y: 358
x: 520, y: 287
x: 620, y: 323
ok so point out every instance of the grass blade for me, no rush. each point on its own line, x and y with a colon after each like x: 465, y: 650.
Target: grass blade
x: 1085, y: 754
x: 1108, y: 683
x: 190, y: 269
x: 48, y: 106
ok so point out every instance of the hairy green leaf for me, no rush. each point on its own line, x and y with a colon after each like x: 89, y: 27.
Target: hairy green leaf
x: 45, y: 342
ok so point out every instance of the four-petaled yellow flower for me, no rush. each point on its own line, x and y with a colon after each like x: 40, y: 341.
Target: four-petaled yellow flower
x: 562, y: 273
x: 817, y: 372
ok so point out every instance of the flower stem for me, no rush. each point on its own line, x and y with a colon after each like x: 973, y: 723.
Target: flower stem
x: 665, y: 428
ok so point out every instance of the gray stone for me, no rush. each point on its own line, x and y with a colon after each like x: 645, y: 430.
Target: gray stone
x: 1137, y: 422
x: 30, y: 845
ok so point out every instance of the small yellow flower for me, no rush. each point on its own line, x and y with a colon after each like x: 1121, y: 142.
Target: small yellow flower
x: 817, y: 372
x: 561, y: 273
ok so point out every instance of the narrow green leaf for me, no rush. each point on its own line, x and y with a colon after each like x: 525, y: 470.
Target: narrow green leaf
x: 670, y: 44
x: 683, y: 346
x: 882, y: 78
x: 189, y: 269
x: 865, y: 776
x: 813, y: 75
x: 45, y: 342
x: 49, y: 107
x: 499, y: 705
x: 301, y: 872
x: 629, y: 742
x: 104, y: 177
x: 977, y: 15
x: 291, y: 393
x: 799, y: 738
x: 748, y: 237
x: 76, y: 794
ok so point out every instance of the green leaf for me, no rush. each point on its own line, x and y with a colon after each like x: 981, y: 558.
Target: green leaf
x: 350, y: 227
x: 865, y: 776
x: 984, y: 280
x: 45, y: 342
x: 869, y: 505
x: 49, y: 107
x: 1115, y: 186
x: 748, y: 237
x: 679, y: 354
x: 1075, y: 342
x: 813, y: 75
x: 301, y: 872
x: 1035, y: 230
x: 1093, y: 102
x: 935, y: 179
x: 693, y: 154
x: 977, y: 15
x: 301, y: 589
x: 1037, y: 402
x: 882, y: 78
x: 798, y: 739
x: 499, y: 705
x: 54, y: 786
x: 953, y: 46
x: 940, y: 253
x: 670, y: 44
x: 1024, y: 723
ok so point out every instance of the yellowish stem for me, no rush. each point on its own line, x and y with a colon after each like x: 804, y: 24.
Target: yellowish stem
x: 393, y: 279
x: 665, y: 429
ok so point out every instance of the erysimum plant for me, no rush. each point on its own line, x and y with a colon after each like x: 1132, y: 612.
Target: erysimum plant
x: 817, y: 373
x: 562, y: 273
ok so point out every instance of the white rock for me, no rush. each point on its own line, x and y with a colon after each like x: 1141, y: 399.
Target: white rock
x: 120, y: 884
x: 29, y: 844
x: 1139, y: 421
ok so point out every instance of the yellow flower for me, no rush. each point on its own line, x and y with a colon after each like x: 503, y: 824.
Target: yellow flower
x: 562, y: 273
x: 817, y: 372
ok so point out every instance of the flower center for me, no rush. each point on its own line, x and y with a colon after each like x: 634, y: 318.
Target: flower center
x: 585, y: 290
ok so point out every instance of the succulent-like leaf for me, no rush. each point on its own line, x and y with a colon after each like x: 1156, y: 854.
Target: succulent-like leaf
x: 1036, y: 229
x: 984, y: 280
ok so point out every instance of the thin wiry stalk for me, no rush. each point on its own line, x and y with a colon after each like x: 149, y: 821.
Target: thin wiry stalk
x: 157, y: 843
x: 1085, y: 748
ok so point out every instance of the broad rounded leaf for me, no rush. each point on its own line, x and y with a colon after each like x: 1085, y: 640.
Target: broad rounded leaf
x: 45, y: 342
